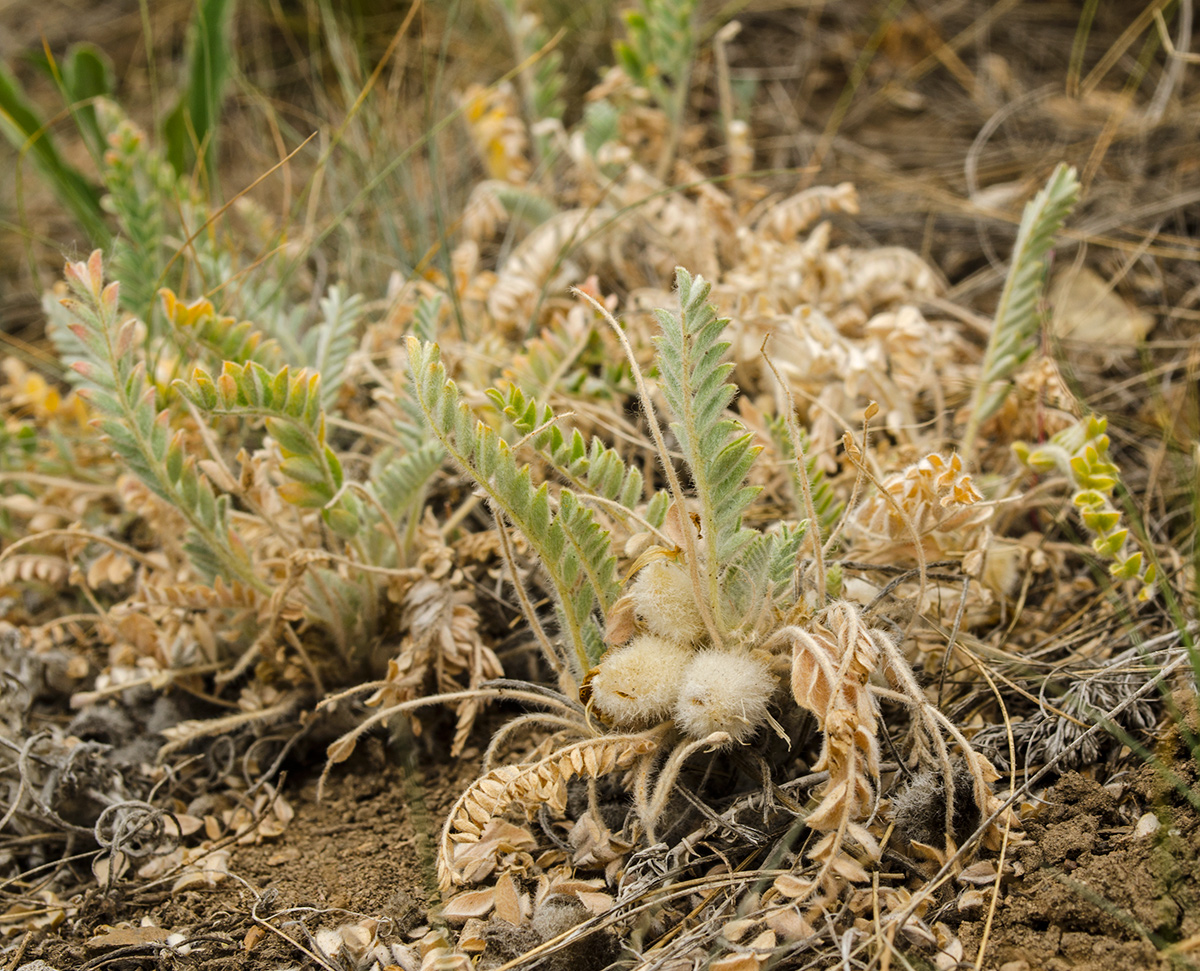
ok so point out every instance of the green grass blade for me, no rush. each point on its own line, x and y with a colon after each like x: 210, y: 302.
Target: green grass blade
x: 88, y: 74
x: 27, y: 133
x: 190, y: 130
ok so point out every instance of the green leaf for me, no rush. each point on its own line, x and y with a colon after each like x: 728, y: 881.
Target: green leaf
x: 175, y: 457
x: 570, y: 545
x: 326, y: 347
x: 1111, y: 544
x: 191, y: 128
x: 1128, y: 568
x: 717, y: 450
x: 425, y: 318
x: 342, y: 522
x: 591, y: 469
x: 87, y: 74
x: 140, y: 433
x: 27, y: 133
x: 399, y: 483
x: 334, y: 465
x: 292, y: 437
x: 305, y: 469
x: 1088, y: 499
x: 1101, y: 522
x: 1014, y: 330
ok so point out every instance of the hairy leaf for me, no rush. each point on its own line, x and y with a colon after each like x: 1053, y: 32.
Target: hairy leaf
x: 1014, y: 331
x: 717, y: 449
x: 569, y: 543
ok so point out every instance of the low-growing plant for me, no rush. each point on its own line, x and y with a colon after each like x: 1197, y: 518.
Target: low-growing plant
x: 658, y: 53
x: 696, y: 652
x: 702, y: 587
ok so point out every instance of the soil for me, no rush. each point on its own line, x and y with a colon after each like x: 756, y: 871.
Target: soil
x: 1086, y: 893
x: 354, y: 853
x: 1094, y: 896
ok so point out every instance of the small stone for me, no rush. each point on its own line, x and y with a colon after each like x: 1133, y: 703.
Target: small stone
x: 287, y: 855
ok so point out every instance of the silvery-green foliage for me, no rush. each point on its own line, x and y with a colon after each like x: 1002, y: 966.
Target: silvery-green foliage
x: 425, y: 318
x: 825, y: 502
x: 543, y: 82
x: 400, y: 482
x: 525, y: 206
x: 1015, y: 329
x: 660, y: 46
x: 138, y: 180
x: 205, y: 337
x: 326, y: 346
x: 763, y: 574
x: 589, y: 468
x: 113, y: 372
x: 717, y: 449
x: 290, y: 403
x: 572, y: 548
x: 744, y: 574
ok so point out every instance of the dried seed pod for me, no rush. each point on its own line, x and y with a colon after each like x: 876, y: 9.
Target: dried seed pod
x: 636, y: 685
x: 920, y: 807
x: 665, y: 601
x: 725, y: 691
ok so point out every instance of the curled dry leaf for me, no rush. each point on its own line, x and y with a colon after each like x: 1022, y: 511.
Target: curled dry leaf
x: 786, y: 220
x: 511, y: 904
x: 197, y: 866
x: 981, y: 873
x: 755, y: 956
x: 937, y: 498
x: 529, y: 786
x: 500, y: 838
x: 831, y: 664
x: 439, y: 954
x: 109, y: 567
x: 443, y: 641
x: 35, y: 567
x: 470, y: 903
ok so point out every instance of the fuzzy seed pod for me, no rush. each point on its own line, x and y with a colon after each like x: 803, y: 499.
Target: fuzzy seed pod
x: 637, y: 685
x: 724, y: 691
x: 665, y: 602
x: 920, y: 807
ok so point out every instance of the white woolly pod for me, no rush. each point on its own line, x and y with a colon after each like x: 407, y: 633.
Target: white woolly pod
x: 636, y: 686
x: 665, y: 602
x: 725, y: 691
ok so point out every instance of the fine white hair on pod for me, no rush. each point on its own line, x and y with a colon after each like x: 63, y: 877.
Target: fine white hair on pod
x: 724, y: 691
x: 637, y: 685
x: 665, y: 602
